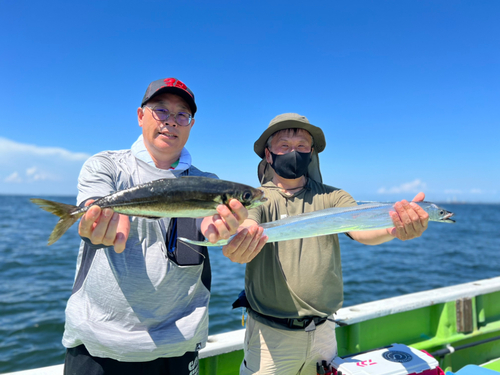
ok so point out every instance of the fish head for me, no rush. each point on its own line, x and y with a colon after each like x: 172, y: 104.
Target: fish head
x: 443, y: 215
x: 250, y: 197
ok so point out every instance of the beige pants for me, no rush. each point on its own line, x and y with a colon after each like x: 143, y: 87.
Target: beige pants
x: 282, y: 352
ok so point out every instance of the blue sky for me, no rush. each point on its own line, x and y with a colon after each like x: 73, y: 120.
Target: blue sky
x: 407, y: 92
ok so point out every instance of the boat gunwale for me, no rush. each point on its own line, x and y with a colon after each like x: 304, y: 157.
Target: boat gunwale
x: 388, y: 306
x: 228, y: 342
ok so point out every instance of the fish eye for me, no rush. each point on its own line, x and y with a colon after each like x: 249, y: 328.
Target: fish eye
x: 246, y: 196
x: 441, y: 212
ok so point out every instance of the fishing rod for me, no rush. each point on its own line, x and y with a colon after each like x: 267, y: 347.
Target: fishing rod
x: 450, y: 349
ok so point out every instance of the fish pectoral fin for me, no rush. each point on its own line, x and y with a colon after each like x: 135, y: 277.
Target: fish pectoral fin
x: 219, y: 199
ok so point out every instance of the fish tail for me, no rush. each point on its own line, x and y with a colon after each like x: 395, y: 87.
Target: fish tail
x: 66, y: 216
x: 203, y: 243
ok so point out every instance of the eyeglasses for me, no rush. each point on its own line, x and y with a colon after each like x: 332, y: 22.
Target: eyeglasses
x: 163, y: 114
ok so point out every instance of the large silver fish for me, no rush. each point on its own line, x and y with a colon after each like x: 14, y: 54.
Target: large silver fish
x: 365, y: 216
x: 169, y: 197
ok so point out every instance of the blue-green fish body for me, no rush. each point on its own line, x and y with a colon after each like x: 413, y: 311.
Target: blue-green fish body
x: 367, y: 216
x: 168, y: 197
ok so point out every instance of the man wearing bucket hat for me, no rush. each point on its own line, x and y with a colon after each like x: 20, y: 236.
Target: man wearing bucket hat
x: 294, y: 287
x: 139, y: 303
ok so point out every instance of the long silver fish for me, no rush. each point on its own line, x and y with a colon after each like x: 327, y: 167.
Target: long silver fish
x: 366, y: 216
x: 169, y: 197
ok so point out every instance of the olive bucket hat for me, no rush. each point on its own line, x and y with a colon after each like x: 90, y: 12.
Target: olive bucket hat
x: 290, y: 121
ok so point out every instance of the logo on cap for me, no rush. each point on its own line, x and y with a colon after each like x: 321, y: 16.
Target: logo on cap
x: 172, y: 82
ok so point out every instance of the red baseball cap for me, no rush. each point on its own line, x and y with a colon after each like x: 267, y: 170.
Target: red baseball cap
x: 173, y: 86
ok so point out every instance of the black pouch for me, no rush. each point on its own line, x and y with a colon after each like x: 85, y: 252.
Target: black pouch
x: 241, y: 301
x: 184, y: 254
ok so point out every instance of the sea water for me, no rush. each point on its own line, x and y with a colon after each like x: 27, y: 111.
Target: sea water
x: 36, y: 280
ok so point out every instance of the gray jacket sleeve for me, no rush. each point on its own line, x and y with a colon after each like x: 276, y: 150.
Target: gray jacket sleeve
x: 97, y: 178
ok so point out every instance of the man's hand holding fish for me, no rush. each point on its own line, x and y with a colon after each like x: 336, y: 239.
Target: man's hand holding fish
x: 410, y: 221
x: 104, y: 226
x: 246, y: 244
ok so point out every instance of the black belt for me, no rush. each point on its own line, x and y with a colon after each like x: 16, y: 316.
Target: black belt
x: 307, y: 323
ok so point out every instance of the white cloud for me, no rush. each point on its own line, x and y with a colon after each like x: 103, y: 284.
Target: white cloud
x: 407, y: 187
x: 453, y: 191
x: 31, y: 169
x: 13, y: 178
x: 476, y: 191
x: 35, y: 174
x: 8, y: 148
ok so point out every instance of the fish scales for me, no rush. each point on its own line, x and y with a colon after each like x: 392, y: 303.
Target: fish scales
x: 336, y: 220
x: 170, y: 197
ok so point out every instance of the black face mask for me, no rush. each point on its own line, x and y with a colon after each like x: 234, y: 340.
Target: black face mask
x: 292, y: 165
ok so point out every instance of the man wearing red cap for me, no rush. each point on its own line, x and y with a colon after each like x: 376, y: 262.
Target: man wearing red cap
x: 140, y: 299
x: 294, y: 287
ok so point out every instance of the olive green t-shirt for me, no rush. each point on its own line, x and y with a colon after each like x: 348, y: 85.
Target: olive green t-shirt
x: 302, y: 277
